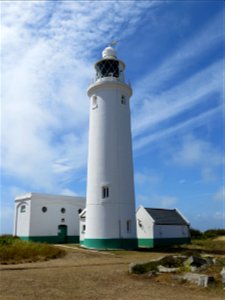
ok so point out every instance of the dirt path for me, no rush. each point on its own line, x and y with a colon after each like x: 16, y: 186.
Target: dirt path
x: 91, y: 275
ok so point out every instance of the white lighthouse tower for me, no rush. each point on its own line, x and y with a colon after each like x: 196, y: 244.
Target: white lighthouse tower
x: 110, y: 214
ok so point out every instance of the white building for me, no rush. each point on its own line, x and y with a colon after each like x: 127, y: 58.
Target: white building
x: 110, y: 214
x: 48, y: 218
x: 160, y: 227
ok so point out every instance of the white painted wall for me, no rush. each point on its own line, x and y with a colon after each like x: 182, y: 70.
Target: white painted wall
x: 82, y: 225
x: 149, y: 229
x: 22, y: 219
x: 110, y: 162
x: 46, y: 223
x: 145, y: 224
x: 171, y: 231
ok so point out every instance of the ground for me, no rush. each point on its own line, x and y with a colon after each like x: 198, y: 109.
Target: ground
x: 93, y: 275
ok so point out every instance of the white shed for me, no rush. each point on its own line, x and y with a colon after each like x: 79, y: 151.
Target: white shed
x: 160, y: 227
x: 48, y: 218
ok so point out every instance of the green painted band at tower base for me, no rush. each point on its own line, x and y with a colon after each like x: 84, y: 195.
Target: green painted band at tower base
x: 151, y: 243
x: 51, y: 239
x: 110, y: 243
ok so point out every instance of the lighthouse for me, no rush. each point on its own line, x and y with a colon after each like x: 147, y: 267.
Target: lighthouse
x: 110, y: 206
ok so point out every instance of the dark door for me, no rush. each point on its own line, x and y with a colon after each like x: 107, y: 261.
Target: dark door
x: 62, y: 234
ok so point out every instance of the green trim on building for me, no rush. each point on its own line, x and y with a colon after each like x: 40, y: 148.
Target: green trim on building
x: 102, y: 244
x: 151, y: 243
x: 145, y: 243
x: 50, y: 239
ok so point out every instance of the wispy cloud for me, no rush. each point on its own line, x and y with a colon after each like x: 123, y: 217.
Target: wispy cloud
x: 161, y: 109
x: 47, y: 49
x: 220, y: 194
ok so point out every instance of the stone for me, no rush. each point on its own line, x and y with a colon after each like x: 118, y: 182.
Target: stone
x: 163, y: 269
x: 199, y: 279
x: 222, y: 273
x: 195, y: 261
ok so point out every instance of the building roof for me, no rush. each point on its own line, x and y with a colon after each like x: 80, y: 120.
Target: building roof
x: 166, y: 216
x: 50, y: 197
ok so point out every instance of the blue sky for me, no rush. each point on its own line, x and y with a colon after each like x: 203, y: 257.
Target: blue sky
x: 173, y: 51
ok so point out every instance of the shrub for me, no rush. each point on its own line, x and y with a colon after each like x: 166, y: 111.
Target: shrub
x: 213, y: 233
x: 196, y: 234
x: 8, y: 239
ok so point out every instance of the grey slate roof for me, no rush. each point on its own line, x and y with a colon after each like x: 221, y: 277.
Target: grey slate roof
x: 166, y: 216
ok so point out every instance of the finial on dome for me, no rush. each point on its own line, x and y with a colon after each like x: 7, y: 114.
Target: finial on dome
x: 109, y: 52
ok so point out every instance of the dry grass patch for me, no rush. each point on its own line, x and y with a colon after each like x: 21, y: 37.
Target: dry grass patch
x: 14, y: 251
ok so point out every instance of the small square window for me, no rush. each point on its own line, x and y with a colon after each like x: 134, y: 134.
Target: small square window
x: 105, y: 192
x: 23, y: 208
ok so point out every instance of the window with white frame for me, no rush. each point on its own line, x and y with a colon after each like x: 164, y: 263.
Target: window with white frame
x: 105, y: 192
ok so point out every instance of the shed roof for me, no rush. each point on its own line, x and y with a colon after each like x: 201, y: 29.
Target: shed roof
x: 166, y: 216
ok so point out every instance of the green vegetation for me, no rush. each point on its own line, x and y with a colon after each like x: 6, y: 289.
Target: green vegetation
x: 13, y: 251
x: 210, y: 233
x: 167, y: 261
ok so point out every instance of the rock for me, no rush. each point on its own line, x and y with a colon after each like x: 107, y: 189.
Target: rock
x: 163, y: 269
x: 195, y: 261
x: 222, y: 273
x: 152, y: 274
x: 199, y: 279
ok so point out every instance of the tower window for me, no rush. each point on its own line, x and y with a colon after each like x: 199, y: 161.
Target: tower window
x: 79, y: 210
x: 128, y: 225
x: 63, y: 210
x: 23, y: 208
x: 105, y: 192
x: 94, y: 102
x: 123, y: 99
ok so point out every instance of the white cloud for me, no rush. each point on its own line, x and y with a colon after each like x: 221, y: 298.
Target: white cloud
x: 185, y: 96
x: 183, y: 127
x: 156, y: 201
x: 46, y: 70
x: 146, y: 178
x: 194, y: 151
x: 167, y: 202
x: 220, y: 194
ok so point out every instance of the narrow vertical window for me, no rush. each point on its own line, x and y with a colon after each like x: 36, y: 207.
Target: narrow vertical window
x: 123, y: 99
x: 23, y: 208
x: 128, y: 225
x: 105, y: 192
x: 94, y: 102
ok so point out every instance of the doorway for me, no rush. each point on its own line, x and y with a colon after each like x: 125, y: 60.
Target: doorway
x: 62, y: 234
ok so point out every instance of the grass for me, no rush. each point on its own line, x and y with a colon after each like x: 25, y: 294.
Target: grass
x: 212, y: 246
x: 14, y: 251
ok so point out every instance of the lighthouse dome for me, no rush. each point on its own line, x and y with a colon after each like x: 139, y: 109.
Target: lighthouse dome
x: 109, y: 52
